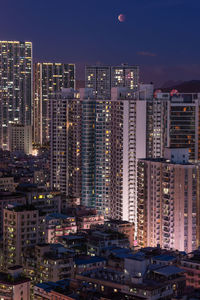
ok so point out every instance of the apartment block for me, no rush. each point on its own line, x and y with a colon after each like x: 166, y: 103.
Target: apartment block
x: 20, y: 138
x: 168, y: 201
x: 102, y: 78
x: 49, y: 78
x: 23, y: 226
x: 15, y: 86
x: 14, y: 285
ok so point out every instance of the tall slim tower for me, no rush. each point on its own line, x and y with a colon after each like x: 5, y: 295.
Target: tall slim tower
x: 59, y: 142
x: 15, y: 86
x: 102, y: 78
x: 49, y: 78
x: 65, y: 143
x: 96, y: 151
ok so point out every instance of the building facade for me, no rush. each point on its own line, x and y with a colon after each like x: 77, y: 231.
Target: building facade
x: 14, y: 285
x: 168, y: 201
x: 102, y: 78
x: 20, y: 138
x: 15, y: 86
x: 182, y: 121
x: 49, y: 78
x: 65, y: 143
x: 23, y: 227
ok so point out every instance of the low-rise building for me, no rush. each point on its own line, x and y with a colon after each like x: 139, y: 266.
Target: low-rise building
x: 14, y: 285
x: 191, y: 264
x: 9, y: 198
x: 125, y: 227
x: 89, y: 263
x: 87, y: 221
x: 59, y: 290
x: 76, y: 243
x: 162, y: 283
x: 23, y: 226
x: 47, y: 262
x: 20, y: 138
x: 43, y: 199
x: 7, y: 184
x: 39, y: 177
x: 99, y: 240
x: 59, y: 225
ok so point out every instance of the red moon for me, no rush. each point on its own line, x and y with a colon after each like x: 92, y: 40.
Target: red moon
x: 121, y: 18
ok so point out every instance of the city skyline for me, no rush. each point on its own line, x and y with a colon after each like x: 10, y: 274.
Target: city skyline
x: 157, y: 35
x: 99, y: 150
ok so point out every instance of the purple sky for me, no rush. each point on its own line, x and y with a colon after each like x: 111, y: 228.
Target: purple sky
x: 162, y: 36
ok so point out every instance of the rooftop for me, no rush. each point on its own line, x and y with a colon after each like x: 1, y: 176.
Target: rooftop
x: 56, y: 216
x: 7, y: 195
x: 91, y: 260
x: 169, y: 271
x: 49, y: 286
x: 6, y: 278
x: 164, y: 257
x: 21, y: 208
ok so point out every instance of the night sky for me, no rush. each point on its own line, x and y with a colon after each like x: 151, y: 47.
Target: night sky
x: 162, y: 36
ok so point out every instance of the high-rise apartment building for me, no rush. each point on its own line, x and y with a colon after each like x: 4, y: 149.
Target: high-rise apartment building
x: 168, y: 201
x: 96, y: 151
x: 91, y: 141
x: 15, y: 86
x: 65, y: 143
x: 59, y: 142
x: 74, y: 148
x: 49, y: 78
x: 158, y: 121
x: 95, y: 144
x: 102, y: 78
x: 105, y: 139
x: 109, y: 151
x: 181, y: 121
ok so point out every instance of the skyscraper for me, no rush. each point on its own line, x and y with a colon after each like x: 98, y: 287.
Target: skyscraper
x: 92, y: 143
x: 168, y: 201
x: 59, y: 142
x: 65, y: 143
x: 96, y: 151
x: 108, y: 152
x: 15, y: 86
x: 102, y: 78
x: 49, y: 78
